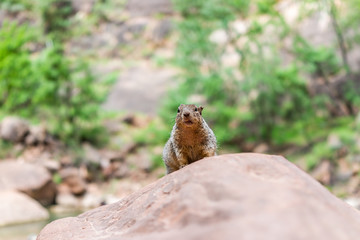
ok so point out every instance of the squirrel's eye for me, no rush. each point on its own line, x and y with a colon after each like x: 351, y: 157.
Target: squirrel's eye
x: 196, y: 109
x: 178, y: 110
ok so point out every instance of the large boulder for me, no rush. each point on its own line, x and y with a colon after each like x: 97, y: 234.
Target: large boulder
x: 34, y: 180
x: 17, y: 208
x: 239, y: 196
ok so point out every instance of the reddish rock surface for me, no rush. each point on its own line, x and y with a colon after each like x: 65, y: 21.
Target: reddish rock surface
x: 239, y: 196
x: 34, y: 180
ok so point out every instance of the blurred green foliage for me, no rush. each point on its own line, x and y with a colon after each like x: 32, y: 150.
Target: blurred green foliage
x: 70, y: 93
x: 56, y: 18
x: 320, y: 61
x: 16, y: 73
x: 46, y: 85
x: 15, y: 5
x: 263, y: 99
x: 200, y: 59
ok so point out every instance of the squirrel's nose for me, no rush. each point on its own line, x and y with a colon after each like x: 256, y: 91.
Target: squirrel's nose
x: 186, y: 114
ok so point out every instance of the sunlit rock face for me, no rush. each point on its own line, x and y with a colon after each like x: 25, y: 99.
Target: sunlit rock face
x: 239, y: 196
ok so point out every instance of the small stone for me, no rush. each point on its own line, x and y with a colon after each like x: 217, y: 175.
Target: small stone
x: 92, y: 155
x: 197, y: 98
x: 353, y: 186
x: 110, y: 199
x: 90, y: 201
x: 31, y: 237
x: 344, y: 171
x: 116, y: 170
x: 51, y: 165
x: 354, y: 202
x: 71, y: 177
x: 334, y: 141
x: 66, y: 161
x: 230, y: 59
x: 247, y: 146
x: 13, y: 129
x: 323, y: 173
x: 63, y: 210
x: 355, y: 167
x: 141, y: 160
x: 126, y: 149
x: 37, y: 135
x: 83, y: 6
x: 162, y: 30
x: 342, y: 152
x: 129, y: 119
x: 149, y: 7
x: 239, y: 26
x: 219, y: 37
x: 261, y: 148
x: 357, y: 142
x: 68, y: 200
x: 290, y: 11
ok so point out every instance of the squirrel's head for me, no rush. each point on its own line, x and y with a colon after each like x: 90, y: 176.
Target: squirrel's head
x: 189, y: 115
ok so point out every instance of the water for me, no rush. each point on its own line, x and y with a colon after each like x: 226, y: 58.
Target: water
x: 28, y: 231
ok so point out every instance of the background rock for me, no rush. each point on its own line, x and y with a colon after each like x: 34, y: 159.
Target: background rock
x: 72, y: 178
x: 149, y: 7
x: 127, y: 95
x: 13, y: 129
x: 37, y: 135
x: 66, y: 199
x: 85, y: 6
x: 17, y: 208
x: 162, y: 30
x: 240, y: 196
x: 333, y: 141
x: 140, y: 160
x: 31, y: 179
x: 324, y: 172
x: 67, y: 202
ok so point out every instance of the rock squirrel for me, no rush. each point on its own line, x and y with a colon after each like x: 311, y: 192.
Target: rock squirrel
x: 191, y: 139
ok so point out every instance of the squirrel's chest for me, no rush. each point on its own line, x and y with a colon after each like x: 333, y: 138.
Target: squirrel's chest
x: 192, y: 149
x: 193, y: 154
x: 190, y: 141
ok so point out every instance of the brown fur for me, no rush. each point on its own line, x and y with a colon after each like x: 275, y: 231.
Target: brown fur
x: 191, y: 139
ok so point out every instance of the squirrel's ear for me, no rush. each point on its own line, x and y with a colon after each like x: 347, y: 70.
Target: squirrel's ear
x: 200, y: 109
